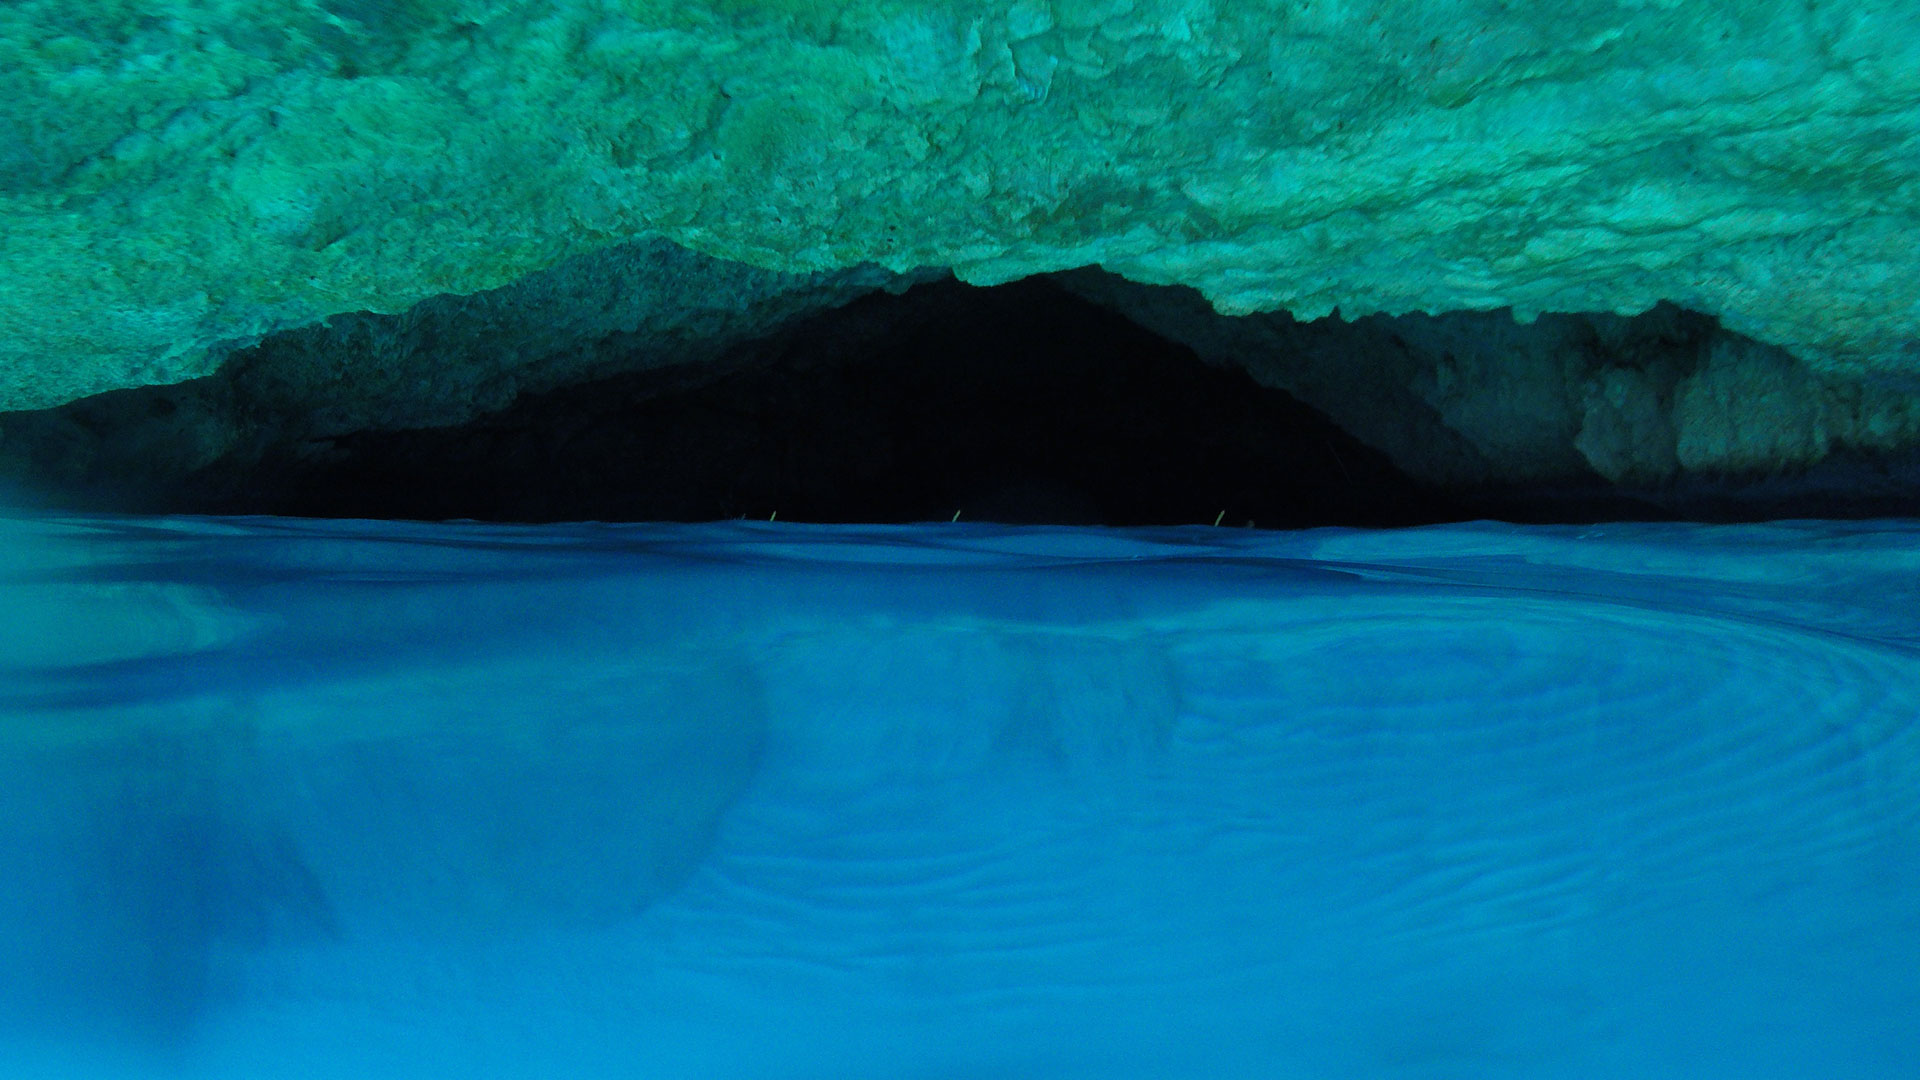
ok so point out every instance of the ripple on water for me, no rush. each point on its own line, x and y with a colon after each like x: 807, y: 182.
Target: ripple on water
x: 1481, y: 801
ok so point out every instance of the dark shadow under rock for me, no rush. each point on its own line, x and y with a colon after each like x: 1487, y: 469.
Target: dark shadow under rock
x: 1022, y: 403
x: 647, y: 383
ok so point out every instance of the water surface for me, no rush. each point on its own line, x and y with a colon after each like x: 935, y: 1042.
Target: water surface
x: 340, y: 799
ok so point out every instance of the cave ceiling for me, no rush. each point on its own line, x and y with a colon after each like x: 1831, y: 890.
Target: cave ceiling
x: 181, y: 180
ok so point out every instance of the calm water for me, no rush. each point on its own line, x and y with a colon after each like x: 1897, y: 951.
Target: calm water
x: 296, y: 799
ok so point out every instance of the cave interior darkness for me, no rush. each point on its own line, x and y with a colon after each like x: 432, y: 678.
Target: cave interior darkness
x: 1020, y: 403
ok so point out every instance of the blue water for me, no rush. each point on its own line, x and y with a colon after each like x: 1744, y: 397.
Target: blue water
x: 301, y: 799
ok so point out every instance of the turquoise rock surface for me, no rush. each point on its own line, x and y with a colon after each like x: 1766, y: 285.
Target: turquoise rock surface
x: 178, y: 180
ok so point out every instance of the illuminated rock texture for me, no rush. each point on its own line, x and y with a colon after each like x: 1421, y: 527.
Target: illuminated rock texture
x: 178, y: 180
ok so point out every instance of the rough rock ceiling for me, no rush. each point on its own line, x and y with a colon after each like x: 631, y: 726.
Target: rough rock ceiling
x: 180, y: 179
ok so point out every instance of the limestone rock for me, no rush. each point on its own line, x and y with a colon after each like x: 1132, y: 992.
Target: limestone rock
x: 1475, y: 401
x: 447, y: 360
x: 179, y: 179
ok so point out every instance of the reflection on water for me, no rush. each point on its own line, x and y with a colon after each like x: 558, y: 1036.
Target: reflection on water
x: 312, y: 799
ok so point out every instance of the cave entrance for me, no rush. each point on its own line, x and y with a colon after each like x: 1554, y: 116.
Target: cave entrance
x: 1018, y: 403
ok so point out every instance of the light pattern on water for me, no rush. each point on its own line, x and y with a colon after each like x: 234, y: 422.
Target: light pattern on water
x: 307, y: 799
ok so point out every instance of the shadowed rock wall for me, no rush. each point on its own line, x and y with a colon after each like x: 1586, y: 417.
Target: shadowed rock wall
x: 446, y: 361
x: 647, y: 381
x: 1475, y: 401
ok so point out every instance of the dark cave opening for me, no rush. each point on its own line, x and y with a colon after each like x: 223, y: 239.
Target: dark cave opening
x: 1022, y: 403
x: 1042, y: 401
